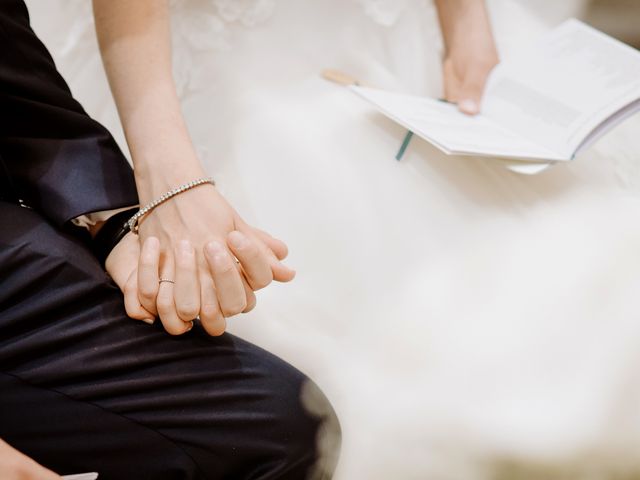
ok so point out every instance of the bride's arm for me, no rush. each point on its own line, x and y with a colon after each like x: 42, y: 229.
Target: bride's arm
x: 470, y: 51
x: 199, y: 233
x: 134, y: 40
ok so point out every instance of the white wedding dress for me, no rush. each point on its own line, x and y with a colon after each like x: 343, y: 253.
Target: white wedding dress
x: 467, y: 322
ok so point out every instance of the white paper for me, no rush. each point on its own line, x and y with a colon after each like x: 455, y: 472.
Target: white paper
x: 542, y: 105
x: 451, y: 131
x: 561, y: 88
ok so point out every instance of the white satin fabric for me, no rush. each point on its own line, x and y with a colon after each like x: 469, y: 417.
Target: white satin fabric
x: 466, y: 321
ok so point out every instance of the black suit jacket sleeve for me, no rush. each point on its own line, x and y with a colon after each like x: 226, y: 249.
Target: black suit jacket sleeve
x: 52, y: 154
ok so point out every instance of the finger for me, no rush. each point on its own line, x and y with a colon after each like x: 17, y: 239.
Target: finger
x: 186, y: 290
x: 279, y: 271
x: 255, y: 263
x: 469, y: 106
x: 278, y: 247
x: 132, y: 304
x: 165, y: 302
x: 249, y: 295
x: 471, y: 94
x: 226, y: 278
x: 211, y: 316
x: 148, y: 268
x: 451, y: 82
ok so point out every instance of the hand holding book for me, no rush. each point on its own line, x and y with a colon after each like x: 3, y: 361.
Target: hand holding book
x: 545, y: 104
x: 470, y: 52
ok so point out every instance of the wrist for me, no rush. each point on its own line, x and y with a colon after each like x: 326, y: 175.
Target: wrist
x: 161, y: 148
x: 110, y: 233
x: 473, y: 51
x: 155, y: 179
x: 94, y: 229
x: 465, y: 26
x: 147, y: 208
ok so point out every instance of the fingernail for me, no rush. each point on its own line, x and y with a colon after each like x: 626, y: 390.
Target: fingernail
x: 149, y: 321
x: 190, y: 327
x: 153, y: 243
x: 216, y: 250
x: 287, y: 267
x: 468, y: 106
x: 238, y: 240
x: 184, y: 246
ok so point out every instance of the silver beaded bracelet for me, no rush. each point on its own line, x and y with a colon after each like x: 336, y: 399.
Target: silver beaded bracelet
x: 134, y: 221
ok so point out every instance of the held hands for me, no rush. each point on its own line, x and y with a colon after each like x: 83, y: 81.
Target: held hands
x: 191, y: 243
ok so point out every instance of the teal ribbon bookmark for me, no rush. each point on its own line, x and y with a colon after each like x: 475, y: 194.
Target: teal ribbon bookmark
x: 405, y: 144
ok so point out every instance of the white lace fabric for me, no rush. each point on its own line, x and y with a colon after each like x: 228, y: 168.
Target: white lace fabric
x: 387, y: 12
x: 203, y: 23
x: 202, y: 27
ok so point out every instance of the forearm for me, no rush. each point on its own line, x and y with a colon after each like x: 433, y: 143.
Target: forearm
x: 464, y: 23
x: 135, y: 43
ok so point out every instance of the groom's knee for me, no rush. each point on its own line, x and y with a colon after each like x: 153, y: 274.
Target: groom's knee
x: 308, y: 435
x: 292, y: 431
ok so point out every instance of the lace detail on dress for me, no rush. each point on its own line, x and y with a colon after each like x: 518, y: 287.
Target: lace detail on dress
x: 387, y: 12
x: 203, y: 23
x: 206, y: 19
x: 201, y: 26
x: 246, y: 12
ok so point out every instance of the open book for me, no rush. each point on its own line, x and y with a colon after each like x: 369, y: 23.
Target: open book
x: 547, y: 104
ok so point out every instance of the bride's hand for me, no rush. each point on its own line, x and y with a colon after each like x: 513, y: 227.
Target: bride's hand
x: 199, y: 237
x: 465, y: 75
x: 471, y: 52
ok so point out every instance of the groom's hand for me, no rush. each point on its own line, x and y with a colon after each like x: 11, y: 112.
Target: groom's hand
x: 122, y: 266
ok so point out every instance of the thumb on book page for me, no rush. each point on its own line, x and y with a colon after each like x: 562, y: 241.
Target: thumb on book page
x: 470, y: 95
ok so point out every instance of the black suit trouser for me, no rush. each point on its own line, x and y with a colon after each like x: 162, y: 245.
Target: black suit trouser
x: 85, y: 388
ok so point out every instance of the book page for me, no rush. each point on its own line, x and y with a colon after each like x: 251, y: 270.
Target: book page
x: 451, y: 131
x: 562, y: 87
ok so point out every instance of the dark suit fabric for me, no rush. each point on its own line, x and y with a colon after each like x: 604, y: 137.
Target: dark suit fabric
x: 52, y: 154
x: 82, y: 386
